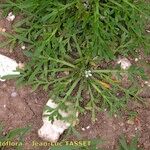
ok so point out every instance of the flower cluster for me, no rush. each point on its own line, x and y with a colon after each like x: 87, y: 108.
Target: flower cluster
x: 88, y: 73
x: 86, y: 4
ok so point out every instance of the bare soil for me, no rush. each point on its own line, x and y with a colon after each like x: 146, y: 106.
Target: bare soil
x: 20, y: 107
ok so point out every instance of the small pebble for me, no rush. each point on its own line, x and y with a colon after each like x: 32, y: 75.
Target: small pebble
x: 140, y: 57
x: 117, y: 94
x: 83, y: 129
x: 10, y: 17
x: 148, y: 31
x: 142, y: 85
x: 136, y: 59
x: 136, y: 129
x: 2, y: 30
x: 124, y: 130
x: 14, y: 94
x: 124, y: 62
x: 4, y: 106
x: 21, y: 65
x: 23, y: 47
x: 121, y: 124
x: 87, y: 127
x: 131, y: 122
x: 115, y: 116
x: 66, y: 72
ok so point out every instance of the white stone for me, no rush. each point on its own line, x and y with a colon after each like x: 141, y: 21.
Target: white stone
x: 2, y: 29
x: 14, y: 94
x: 23, y: 47
x: 148, y: 31
x: 83, y: 129
x: 125, y: 63
x: 136, y: 129
x: 51, y: 104
x: 52, y: 131
x: 10, y: 17
x: 146, y: 82
x: 87, y: 127
x: 8, y: 66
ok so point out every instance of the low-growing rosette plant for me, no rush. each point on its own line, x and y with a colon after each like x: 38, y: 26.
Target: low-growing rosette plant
x: 87, y: 84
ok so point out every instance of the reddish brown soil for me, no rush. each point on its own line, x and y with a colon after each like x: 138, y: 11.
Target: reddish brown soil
x: 22, y: 107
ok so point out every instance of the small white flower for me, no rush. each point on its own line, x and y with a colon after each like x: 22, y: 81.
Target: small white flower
x: 10, y: 17
x: 102, y: 17
x: 86, y: 4
x: 86, y: 76
x: 125, y: 63
x: 88, y: 73
x: 136, y: 59
x: 23, y: 47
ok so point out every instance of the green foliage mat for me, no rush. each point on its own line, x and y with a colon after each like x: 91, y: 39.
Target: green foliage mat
x: 68, y: 40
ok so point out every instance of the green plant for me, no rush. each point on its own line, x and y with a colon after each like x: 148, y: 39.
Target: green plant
x: 100, y: 27
x: 71, y: 77
x: 133, y: 145
x: 132, y: 115
x: 68, y: 41
x: 14, y: 136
